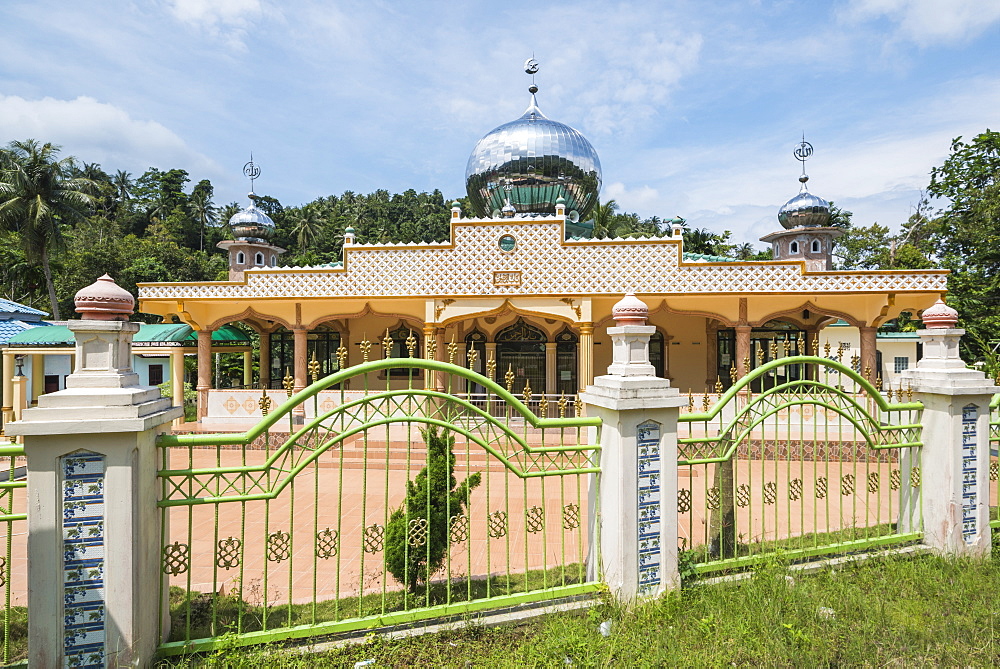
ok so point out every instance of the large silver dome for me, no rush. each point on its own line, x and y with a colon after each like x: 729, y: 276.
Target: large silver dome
x: 251, y: 223
x: 533, y: 161
x: 804, y: 210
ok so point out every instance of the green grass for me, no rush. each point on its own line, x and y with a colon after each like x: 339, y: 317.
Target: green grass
x: 18, y: 648
x: 916, y: 611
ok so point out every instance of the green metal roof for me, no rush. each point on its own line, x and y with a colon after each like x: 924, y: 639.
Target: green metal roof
x: 161, y: 334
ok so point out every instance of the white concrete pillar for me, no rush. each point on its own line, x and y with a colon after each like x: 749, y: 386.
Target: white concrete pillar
x: 94, y: 530
x: 955, y: 457
x: 634, y: 535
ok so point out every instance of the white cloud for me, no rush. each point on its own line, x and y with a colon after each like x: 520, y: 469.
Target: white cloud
x: 228, y: 20
x: 928, y: 22
x: 641, y: 198
x: 101, y: 133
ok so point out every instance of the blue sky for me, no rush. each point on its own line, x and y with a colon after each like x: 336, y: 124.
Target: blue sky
x: 693, y: 106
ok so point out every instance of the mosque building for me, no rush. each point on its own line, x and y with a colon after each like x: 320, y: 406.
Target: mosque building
x: 522, y: 283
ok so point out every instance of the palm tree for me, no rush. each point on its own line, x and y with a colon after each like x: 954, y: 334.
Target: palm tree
x: 37, y: 197
x: 122, y: 181
x: 308, y: 227
x: 604, y: 219
x: 204, y: 212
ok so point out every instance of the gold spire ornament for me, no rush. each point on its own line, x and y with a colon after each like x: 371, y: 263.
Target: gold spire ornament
x: 341, y: 356
x: 366, y: 346
x: 387, y: 344
x: 411, y: 344
x: 452, y: 350
x: 264, y: 402
x: 288, y: 382
x: 314, y: 368
x: 509, y: 378
x: 491, y: 367
x: 430, y: 348
x: 472, y: 356
x: 562, y: 405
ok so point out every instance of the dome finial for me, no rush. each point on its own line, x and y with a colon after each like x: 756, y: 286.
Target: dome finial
x: 252, y: 171
x: 531, y: 67
x: 805, y: 209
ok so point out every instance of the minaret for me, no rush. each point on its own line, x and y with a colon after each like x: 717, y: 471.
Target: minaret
x: 252, y: 230
x: 806, y: 235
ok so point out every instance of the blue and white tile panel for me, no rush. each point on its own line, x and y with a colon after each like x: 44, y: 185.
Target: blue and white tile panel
x: 648, y: 500
x: 83, y: 560
x: 970, y: 482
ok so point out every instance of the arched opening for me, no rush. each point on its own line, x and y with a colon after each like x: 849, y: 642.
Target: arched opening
x: 274, y: 260
x: 816, y: 246
x: 259, y: 259
x: 521, y: 349
x: 567, y: 345
x: 793, y: 248
x: 241, y: 258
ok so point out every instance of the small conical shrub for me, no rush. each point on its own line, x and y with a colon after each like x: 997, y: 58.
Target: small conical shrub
x: 433, y: 496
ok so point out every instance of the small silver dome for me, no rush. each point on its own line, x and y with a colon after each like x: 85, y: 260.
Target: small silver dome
x: 533, y: 161
x: 804, y: 210
x: 251, y: 223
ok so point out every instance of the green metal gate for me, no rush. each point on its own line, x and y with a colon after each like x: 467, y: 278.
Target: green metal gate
x: 375, y: 497
x: 822, y: 461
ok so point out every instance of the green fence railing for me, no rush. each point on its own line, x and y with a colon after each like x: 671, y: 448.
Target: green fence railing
x: 384, y: 500
x: 801, y: 457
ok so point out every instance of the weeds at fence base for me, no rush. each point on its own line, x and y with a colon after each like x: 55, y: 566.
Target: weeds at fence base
x: 197, y: 615
x: 17, y: 637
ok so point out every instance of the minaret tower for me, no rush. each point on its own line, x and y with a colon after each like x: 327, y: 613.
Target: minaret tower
x: 252, y: 231
x: 805, y: 217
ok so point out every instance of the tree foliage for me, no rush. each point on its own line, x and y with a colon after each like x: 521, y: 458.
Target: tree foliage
x: 966, y: 235
x: 417, y: 534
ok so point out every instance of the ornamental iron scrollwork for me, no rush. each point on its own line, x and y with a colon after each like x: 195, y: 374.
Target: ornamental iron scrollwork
x: 3, y: 571
x: 498, y: 524
x: 374, y: 538
x: 994, y: 471
x: 822, y: 486
x: 683, y: 500
x: 895, y: 479
x: 416, y: 536
x: 873, y: 482
x: 327, y: 543
x: 770, y: 492
x: 847, y: 484
x: 228, y: 553
x: 795, y: 489
x: 458, y: 528
x: 571, y: 517
x: 176, y: 558
x: 534, y: 519
x: 915, y: 477
x: 713, y: 499
x: 743, y: 495
x: 279, y: 546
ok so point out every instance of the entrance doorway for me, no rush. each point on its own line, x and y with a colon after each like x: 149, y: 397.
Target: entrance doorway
x: 521, y: 349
